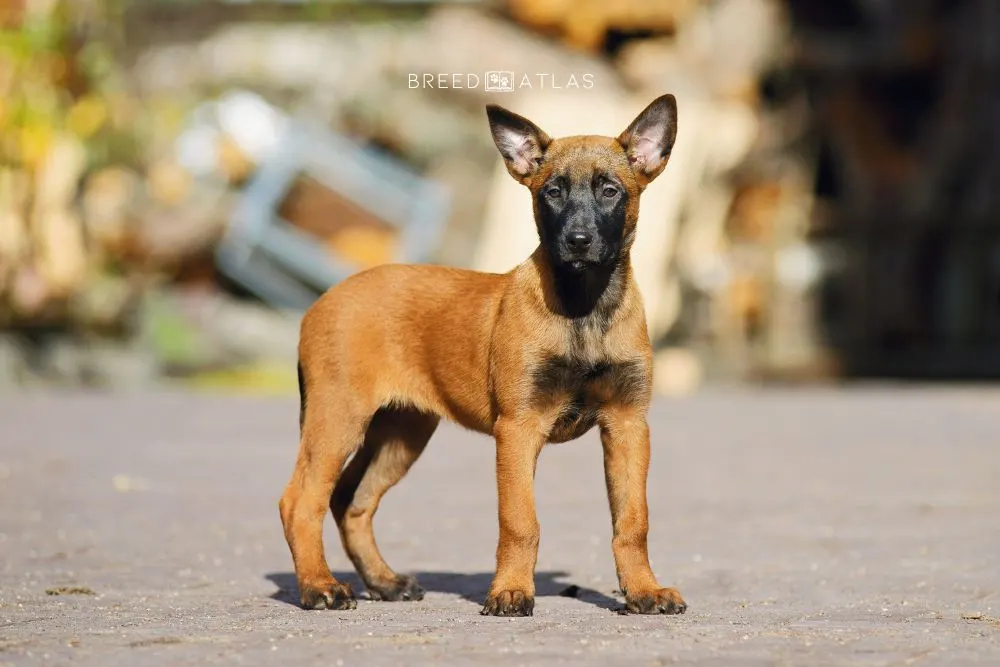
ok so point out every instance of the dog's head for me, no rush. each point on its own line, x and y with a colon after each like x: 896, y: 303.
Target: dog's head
x: 586, y: 189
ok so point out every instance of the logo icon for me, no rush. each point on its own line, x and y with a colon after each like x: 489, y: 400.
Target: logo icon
x: 499, y: 82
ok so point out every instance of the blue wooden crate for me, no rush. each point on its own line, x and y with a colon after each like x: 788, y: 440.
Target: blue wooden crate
x: 288, y: 267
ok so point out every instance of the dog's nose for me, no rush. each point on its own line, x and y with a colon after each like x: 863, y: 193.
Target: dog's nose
x: 578, y: 241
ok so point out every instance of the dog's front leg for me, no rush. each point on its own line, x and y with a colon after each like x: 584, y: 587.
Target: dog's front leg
x: 625, y: 437
x: 512, y: 592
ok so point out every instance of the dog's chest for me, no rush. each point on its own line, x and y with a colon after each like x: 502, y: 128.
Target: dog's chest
x: 576, y: 388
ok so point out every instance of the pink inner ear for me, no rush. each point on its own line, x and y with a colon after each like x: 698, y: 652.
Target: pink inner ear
x: 522, y: 160
x: 645, y: 152
x: 522, y: 152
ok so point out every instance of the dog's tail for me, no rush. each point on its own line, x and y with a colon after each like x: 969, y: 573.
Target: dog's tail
x: 302, y: 398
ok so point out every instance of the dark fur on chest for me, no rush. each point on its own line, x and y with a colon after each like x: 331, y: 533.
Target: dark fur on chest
x: 580, y: 388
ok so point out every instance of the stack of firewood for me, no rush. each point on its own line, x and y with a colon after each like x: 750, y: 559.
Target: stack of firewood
x: 833, y: 186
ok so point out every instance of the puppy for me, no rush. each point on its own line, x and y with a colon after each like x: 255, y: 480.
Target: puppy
x: 540, y: 354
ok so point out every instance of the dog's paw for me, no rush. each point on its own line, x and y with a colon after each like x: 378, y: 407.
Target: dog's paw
x: 509, y: 603
x: 331, y: 595
x: 663, y: 601
x: 402, y: 588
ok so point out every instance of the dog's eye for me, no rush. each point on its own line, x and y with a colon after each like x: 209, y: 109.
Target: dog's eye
x: 609, y: 191
x: 555, y: 193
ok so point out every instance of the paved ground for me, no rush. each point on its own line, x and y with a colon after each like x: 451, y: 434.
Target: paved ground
x: 804, y: 527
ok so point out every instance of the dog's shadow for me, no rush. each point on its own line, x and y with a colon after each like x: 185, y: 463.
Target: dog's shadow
x: 471, y: 586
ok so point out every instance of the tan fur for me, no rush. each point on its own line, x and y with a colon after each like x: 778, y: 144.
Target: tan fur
x: 389, y: 351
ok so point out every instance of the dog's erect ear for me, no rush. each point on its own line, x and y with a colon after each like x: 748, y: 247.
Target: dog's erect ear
x: 521, y: 143
x: 650, y: 137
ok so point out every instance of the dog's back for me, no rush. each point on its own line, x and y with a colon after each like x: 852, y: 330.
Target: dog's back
x: 410, y: 335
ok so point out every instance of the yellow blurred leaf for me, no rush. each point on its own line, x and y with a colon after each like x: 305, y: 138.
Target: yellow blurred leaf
x: 87, y: 116
x: 34, y: 141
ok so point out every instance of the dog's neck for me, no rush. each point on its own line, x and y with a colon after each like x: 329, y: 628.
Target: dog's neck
x: 594, y: 292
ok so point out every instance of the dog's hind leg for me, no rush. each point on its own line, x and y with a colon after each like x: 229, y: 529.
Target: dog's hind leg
x: 395, y: 439
x: 333, y: 426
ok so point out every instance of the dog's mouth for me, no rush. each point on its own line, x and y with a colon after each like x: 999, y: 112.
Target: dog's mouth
x: 581, y: 263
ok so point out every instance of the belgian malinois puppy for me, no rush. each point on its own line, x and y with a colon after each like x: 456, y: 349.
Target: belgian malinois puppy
x: 540, y: 354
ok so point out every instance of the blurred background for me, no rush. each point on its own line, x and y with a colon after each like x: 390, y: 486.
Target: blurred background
x: 180, y: 179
